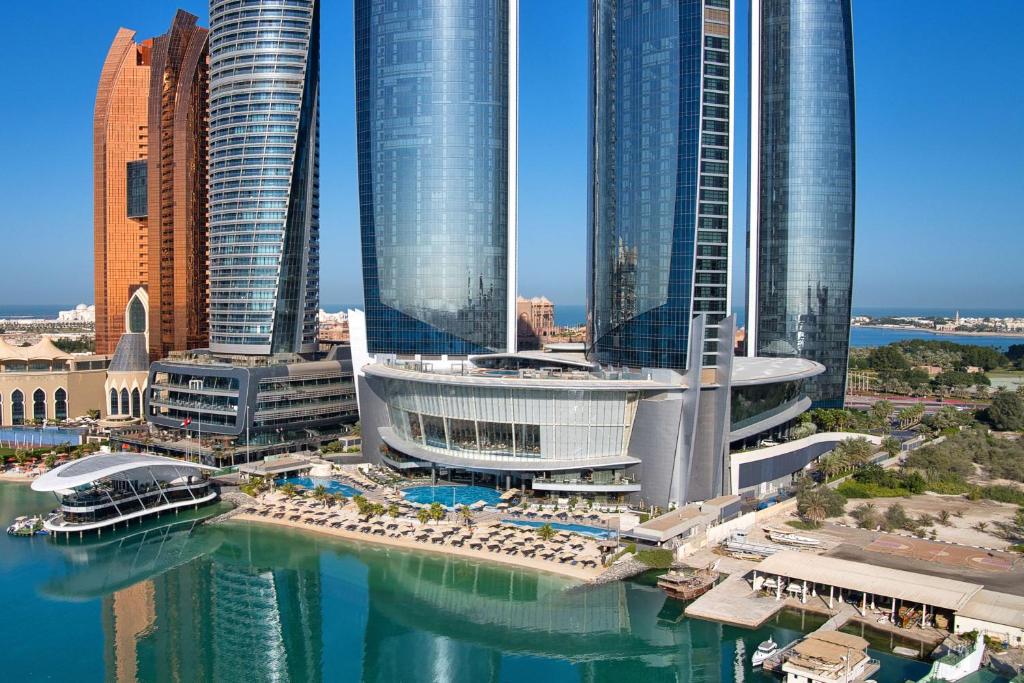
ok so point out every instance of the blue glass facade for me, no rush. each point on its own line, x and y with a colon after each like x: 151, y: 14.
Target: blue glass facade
x: 660, y: 129
x: 264, y: 175
x: 436, y: 173
x: 802, y: 186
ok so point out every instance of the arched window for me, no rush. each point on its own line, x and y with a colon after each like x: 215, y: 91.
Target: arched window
x: 136, y: 403
x: 125, y: 408
x: 39, y: 405
x: 60, y: 405
x: 113, y: 402
x: 17, y: 407
x: 136, y: 315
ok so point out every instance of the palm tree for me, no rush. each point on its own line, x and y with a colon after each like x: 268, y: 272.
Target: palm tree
x: 436, y: 511
x: 376, y: 510
x: 830, y: 465
x: 320, y: 493
x: 290, y: 490
x: 423, y: 515
x: 466, y: 514
x: 546, y: 532
x: 815, y: 511
x: 944, y: 517
x: 392, y: 510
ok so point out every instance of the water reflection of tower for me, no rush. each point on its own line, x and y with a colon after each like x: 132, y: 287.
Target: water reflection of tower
x: 624, y: 282
x: 155, y: 628
x: 266, y: 624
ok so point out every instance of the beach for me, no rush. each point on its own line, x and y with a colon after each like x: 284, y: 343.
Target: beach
x: 569, y: 571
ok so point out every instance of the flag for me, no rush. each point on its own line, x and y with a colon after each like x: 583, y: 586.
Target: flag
x: 186, y: 423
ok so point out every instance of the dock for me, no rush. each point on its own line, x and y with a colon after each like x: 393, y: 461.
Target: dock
x: 734, y: 602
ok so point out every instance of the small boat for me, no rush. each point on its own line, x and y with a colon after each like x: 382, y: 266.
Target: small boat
x: 905, y: 651
x: 793, y: 539
x: 763, y: 652
x: 27, y: 526
x: 689, y: 585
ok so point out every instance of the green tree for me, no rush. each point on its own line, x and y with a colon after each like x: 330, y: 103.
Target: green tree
x: 319, y: 493
x: 437, y: 511
x: 896, y: 517
x: 887, y: 358
x: 817, y: 503
x: 546, y: 532
x: 392, y: 510
x: 289, y: 490
x: 362, y: 504
x: 466, y: 514
x: 423, y: 514
x: 880, y: 413
x: 1006, y: 412
x: 891, y: 445
x: 49, y: 461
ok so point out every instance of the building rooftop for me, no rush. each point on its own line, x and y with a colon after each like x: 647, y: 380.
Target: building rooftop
x: 827, y: 650
x: 908, y: 586
x: 997, y: 608
x: 113, y: 466
x: 747, y: 370
x: 44, y: 349
x: 131, y: 354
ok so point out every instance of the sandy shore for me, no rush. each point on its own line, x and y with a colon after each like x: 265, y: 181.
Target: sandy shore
x: 17, y: 478
x: 567, y: 570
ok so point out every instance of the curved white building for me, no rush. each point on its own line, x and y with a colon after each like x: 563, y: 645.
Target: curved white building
x: 102, y: 490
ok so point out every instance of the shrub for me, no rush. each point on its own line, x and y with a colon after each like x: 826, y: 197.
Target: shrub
x: 856, y: 489
x: 897, y: 518
x: 655, y: 558
x: 820, y: 502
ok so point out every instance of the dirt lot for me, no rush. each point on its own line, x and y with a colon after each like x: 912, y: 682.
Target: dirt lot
x: 965, y: 515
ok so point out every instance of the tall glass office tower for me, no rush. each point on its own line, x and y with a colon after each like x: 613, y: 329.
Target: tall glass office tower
x: 264, y: 175
x: 661, y: 102
x: 436, y: 106
x: 802, y: 184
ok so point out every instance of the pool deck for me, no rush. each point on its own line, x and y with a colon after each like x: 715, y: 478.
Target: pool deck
x: 569, y: 571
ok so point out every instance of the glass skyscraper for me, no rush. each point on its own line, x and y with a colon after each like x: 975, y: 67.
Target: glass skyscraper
x: 264, y: 175
x: 436, y: 115
x: 660, y: 176
x: 802, y: 185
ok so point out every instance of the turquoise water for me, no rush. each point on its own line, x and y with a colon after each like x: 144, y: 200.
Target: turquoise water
x: 595, y: 531
x: 451, y: 496
x: 33, y: 437
x: 174, y: 600
x: 311, y: 483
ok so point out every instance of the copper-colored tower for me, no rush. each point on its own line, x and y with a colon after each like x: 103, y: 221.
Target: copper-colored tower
x: 177, y: 188
x: 120, y: 147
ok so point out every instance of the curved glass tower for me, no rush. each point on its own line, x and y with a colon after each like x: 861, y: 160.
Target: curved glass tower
x: 802, y: 184
x: 660, y: 176
x: 264, y: 176
x: 436, y: 123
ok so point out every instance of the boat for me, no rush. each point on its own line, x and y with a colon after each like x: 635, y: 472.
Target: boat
x: 27, y: 526
x: 763, y: 652
x: 905, y: 651
x: 689, y: 585
x: 793, y: 539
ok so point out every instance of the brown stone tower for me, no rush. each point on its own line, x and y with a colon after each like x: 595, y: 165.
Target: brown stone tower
x: 177, y: 187
x: 120, y: 147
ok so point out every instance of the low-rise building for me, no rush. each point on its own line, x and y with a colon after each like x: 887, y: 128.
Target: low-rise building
x: 40, y: 383
x: 829, y: 657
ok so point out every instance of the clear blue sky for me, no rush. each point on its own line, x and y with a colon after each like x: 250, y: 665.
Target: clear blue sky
x: 940, y: 203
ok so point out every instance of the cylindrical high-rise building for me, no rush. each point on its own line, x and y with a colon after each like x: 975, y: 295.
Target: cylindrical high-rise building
x: 802, y: 183
x: 660, y: 177
x: 264, y: 175
x: 436, y: 103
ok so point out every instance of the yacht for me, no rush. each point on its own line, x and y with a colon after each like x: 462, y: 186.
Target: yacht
x: 763, y: 652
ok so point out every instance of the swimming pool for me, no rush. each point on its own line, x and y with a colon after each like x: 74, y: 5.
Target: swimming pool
x: 33, y: 437
x: 452, y: 496
x: 593, y: 531
x: 311, y: 483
